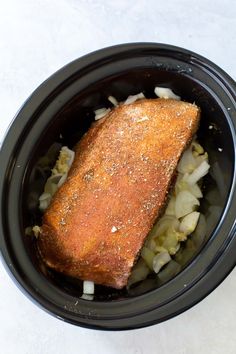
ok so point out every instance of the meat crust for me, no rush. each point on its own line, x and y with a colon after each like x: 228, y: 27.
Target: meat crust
x: 99, y: 219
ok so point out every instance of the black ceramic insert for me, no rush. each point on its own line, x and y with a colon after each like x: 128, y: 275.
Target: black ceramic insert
x: 58, y: 113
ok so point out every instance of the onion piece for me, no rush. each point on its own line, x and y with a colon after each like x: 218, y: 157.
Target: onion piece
x: 195, y: 190
x: 44, y: 196
x: 198, y: 173
x: 101, y: 112
x: 200, y: 158
x: 189, y: 223
x: 51, y: 184
x: 36, y: 230
x: 163, y: 224
x: 171, y: 243
x: 160, y: 249
x: 52, y: 188
x: 185, y: 203
x: 54, y: 178
x: 147, y: 256
x: 88, y: 287
x: 170, y: 210
x: 197, y: 148
x: 62, y: 180
x: 187, y: 162
x: 87, y: 297
x: 64, y: 161
x: 151, y: 244
x: 133, y: 98
x: 44, y: 201
x: 71, y: 157
x: 44, y: 204
x: 113, y: 100
x: 160, y: 260
x: 164, y: 92
x: 182, y: 184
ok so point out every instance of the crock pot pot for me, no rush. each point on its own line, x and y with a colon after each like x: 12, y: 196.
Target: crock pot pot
x: 58, y: 113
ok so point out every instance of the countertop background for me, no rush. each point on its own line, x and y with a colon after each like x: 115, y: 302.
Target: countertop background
x: 37, y: 37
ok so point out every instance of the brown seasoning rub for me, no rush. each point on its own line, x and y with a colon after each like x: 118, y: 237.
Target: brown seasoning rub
x: 98, y: 220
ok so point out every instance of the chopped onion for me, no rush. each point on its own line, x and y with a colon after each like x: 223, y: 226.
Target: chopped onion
x: 160, y: 260
x: 44, y: 196
x: 133, y: 98
x: 171, y: 243
x: 101, y: 112
x: 52, y: 184
x: 71, y: 155
x: 195, y: 190
x: 62, y: 180
x: 58, y: 176
x: 44, y: 204
x: 198, y: 173
x: 87, y: 297
x: 64, y: 161
x: 185, y: 203
x: 88, y: 287
x: 113, y: 100
x: 201, y: 158
x: 187, y: 162
x: 44, y: 201
x: 160, y: 249
x: 36, y: 230
x: 197, y: 148
x: 147, y: 256
x: 54, y: 179
x: 182, y: 184
x: 170, y: 210
x: 164, y: 92
x: 189, y: 223
x: 151, y: 244
x: 163, y: 224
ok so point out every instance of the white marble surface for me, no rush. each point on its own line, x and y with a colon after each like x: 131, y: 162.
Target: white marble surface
x: 37, y: 37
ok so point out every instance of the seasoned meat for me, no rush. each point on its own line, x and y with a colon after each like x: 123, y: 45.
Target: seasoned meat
x: 117, y: 186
